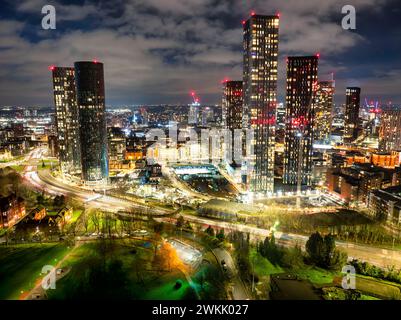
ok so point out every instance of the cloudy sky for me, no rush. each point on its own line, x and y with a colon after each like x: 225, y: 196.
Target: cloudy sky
x: 157, y: 51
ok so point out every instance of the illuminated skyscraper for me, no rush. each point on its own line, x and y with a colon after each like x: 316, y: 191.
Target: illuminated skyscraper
x: 351, y: 115
x: 260, y: 97
x: 390, y: 129
x: 66, y: 119
x: 232, y: 114
x: 232, y: 105
x: 301, y: 89
x: 92, y: 119
x: 323, y: 111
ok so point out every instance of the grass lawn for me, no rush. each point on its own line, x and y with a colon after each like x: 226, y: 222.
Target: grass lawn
x: 19, y: 169
x: 377, y: 288
x: 365, y: 297
x: 136, y: 279
x: 164, y: 289
x: 21, y: 265
x: 261, y: 265
x: 314, y: 275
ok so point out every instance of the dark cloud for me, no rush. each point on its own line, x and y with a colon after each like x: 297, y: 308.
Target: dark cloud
x: 157, y: 51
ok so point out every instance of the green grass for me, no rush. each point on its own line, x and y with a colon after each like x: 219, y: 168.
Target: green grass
x: 314, y: 274
x: 21, y: 265
x: 164, y: 289
x: 366, y: 297
x: 142, y: 283
x: 378, y: 288
x: 261, y: 265
x: 18, y: 169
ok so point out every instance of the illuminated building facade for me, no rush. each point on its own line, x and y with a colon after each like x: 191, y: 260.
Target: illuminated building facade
x: 390, y: 130
x: 260, y: 98
x: 301, y: 89
x: 12, y: 209
x: 351, y: 116
x: 67, y: 122
x: 232, y: 113
x: 323, y: 111
x: 92, y: 120
x: 232, y: 105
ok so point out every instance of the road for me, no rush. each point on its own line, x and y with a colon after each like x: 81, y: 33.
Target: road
x: 239, y: 291
x: 380, y: 257
x: 377, y: 256
x: 175, y: 181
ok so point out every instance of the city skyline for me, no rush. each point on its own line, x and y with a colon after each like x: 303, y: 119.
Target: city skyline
x: 194, y: 47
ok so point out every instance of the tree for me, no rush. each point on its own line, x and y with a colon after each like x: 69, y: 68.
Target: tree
x: 315, y: 248
x: 210, y: 231
x: 180, y: 222
x: 40, y: 199
x: 220, y: 235
x: 158, y: 227
x: 188, y: 226
x: 293, y: 258
x: 323, y: 253
x: 59, y: 201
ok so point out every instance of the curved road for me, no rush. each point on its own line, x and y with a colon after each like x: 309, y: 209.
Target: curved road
x: 44, y: 181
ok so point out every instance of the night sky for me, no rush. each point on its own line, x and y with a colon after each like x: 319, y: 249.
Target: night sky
x: 157, y: 51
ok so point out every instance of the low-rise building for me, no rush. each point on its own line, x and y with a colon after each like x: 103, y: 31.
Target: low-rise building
x: 385, y: 205
x: 354, y: 183
x: 12, y: 209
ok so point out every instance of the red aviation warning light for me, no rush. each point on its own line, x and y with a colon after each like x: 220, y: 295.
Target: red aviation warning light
x: 318, y: 55
x: 52, y: 67
x: 95, y: 60
x: 195, y: 98
x: 253, y: 13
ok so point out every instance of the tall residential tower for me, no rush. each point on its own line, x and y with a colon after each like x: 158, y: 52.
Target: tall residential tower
x: 301, y: 90
x: 351, y: 121
x: 260, y: 97
x: 232, y: 116
x: 67, y: 124
x: 323, y: 112
x: 89, y: 80
x: 390, y: 129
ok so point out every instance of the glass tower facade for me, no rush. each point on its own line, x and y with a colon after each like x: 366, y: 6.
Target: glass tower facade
x: 92, y: 119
